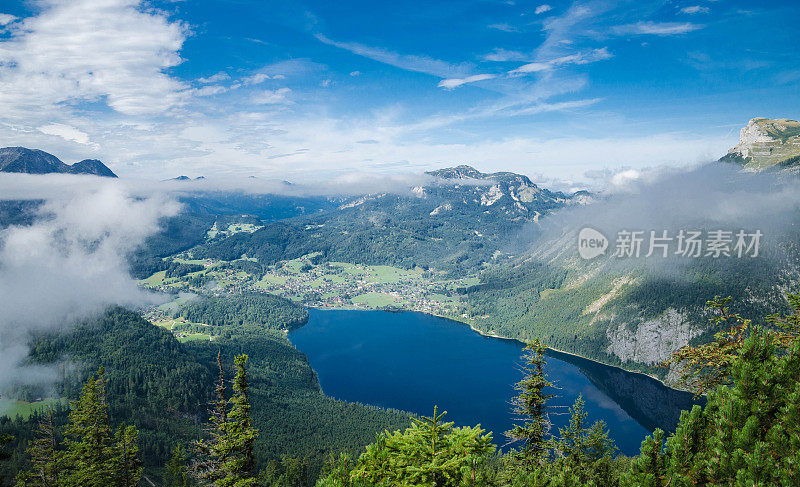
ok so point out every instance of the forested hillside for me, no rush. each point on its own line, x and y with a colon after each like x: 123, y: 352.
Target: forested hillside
x: 163, y: 387
x: 246, y: 312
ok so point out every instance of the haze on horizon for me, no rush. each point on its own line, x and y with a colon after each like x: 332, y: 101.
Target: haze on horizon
x: 568, y: 93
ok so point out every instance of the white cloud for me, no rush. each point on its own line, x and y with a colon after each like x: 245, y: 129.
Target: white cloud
x: 625, y: 177
x: 290, y: 68
x: 6, y: 19
x: 420, y: 64
x: 256, y: 79
x: 272, y: 97
x: 215, y: 78
x: 695, y: 9
x: 656, y: 28
x: 452, y: 83
x: 584, y: 57
x: 554, y: 107
x: 532, y: 68
x: 503, y: 27
x: 503, y: 55
x: 66, y: 132
x: 88, y: 51
x: 209, y: 90
x: 355, y: 73
x: 542, y: 9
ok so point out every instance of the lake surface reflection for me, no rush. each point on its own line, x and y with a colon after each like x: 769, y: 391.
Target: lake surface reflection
x: 413, y: 361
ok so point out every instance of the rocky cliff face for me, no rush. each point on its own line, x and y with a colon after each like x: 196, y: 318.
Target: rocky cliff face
x: 765, y: 143
x: 652, y: 341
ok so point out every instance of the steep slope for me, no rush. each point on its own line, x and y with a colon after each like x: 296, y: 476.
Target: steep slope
x: 91, y: 166
x: 631, y: 314
x: 765, y: 143
x: 34, y: 161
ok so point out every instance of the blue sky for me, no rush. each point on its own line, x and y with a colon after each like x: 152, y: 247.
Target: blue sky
x: 562, y: 91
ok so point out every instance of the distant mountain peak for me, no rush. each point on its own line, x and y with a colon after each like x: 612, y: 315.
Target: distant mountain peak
x: 35, y: 161
x: 184, y: 178
x: 511, y: 193
x: 91, y: 166
x: 468, y: 172
x: 458, y: 172
x: 767, y: 142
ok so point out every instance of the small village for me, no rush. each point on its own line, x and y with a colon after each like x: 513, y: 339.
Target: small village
x: 325, y: 285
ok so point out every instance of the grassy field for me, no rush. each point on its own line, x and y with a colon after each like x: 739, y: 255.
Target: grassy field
x: 271, y: 279
x: 25, y: 409
x: 190, y: 337
x: 387, y: 274
x: 376, y: 300
x: 155, y: 279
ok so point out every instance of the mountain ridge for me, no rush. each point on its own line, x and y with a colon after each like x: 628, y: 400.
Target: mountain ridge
x: 35, y: 161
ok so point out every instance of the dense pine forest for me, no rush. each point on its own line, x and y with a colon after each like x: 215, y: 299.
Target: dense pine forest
x: 245, y: 409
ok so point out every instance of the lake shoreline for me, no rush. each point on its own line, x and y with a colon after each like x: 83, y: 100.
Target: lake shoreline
x: 494, y: 335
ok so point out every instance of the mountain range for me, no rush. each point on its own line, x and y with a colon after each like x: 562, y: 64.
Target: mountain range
x: 34, y: 161
x: 763, y: 143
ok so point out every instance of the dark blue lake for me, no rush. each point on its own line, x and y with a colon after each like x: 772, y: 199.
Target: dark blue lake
x: 413, y: 361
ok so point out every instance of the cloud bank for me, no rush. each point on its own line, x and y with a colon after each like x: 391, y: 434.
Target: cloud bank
x: 70, y: 264
x: 705, y: 198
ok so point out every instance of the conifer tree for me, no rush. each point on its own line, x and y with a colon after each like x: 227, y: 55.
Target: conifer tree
x: 176, y: 470
x: 336, y: 471
x: 747, y: 434
x: 707, y: 366
x: 573, y: 438
x: 530, y: 406
x: 126, y: 464
x: 91, y: 456
x: 4, y: 440
x: 209, y: 467
x: 587, y: 452
x: 226, y: 458
x: 649, y: 468
x: 88, y: 459
x: 45, y: 456
x: 240, y: 434
x: 430, y: 453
